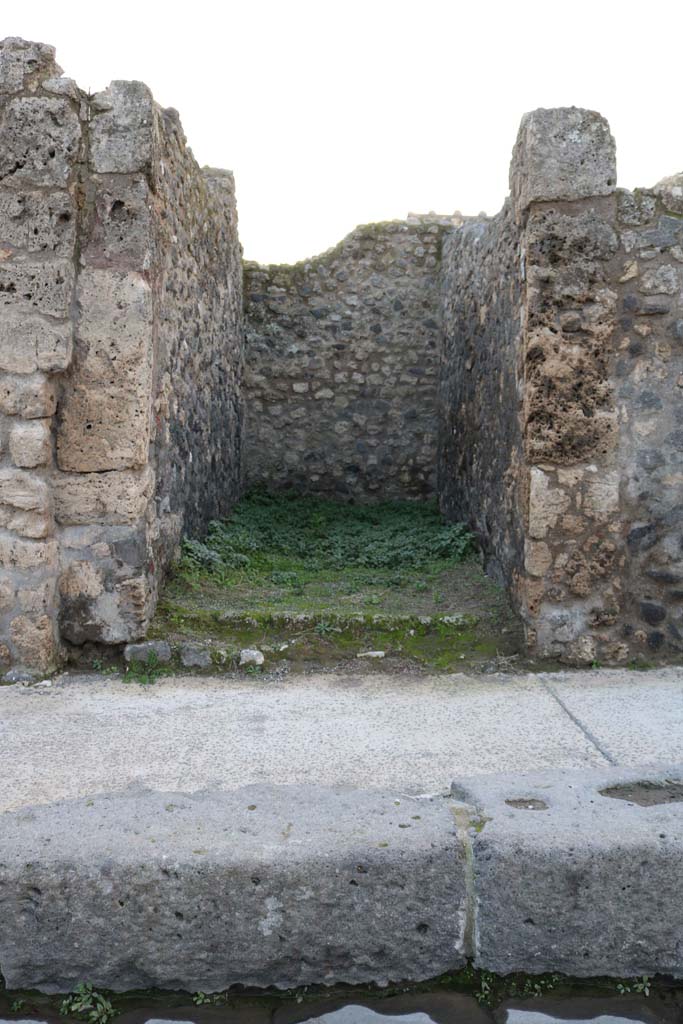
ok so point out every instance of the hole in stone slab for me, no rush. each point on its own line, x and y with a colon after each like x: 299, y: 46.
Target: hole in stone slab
x: 117, y: 210
x: 529, y: 803
x: 647, y: 793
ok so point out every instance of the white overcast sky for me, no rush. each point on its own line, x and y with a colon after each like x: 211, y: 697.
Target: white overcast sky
x: 333, y: 113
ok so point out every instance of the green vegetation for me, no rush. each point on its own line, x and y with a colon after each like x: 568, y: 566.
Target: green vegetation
x: 277, y: 537
x: 145, y: 673
x: 487, y: 988
x: 314, y: 582
x: 88, y: 1005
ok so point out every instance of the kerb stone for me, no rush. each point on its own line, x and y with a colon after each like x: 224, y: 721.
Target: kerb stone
x: 266, y: 885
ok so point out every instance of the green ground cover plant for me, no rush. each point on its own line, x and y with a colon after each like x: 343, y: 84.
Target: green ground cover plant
x: 315, y: 582
x: 281, y: 536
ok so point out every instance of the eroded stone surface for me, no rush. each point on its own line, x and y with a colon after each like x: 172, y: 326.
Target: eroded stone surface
x: 564, y: 153
x: 231, y: 889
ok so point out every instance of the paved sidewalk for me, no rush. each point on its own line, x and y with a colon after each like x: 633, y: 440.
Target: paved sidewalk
x: 86, y: 735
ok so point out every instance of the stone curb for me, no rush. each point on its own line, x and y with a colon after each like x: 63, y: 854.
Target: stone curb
x: 298, y: 885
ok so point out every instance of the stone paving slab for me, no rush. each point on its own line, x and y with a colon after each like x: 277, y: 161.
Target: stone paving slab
x: 201, y: 832
x: 635, y: 717
x: 86, y: 735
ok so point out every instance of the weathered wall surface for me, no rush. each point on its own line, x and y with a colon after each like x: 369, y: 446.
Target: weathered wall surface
x: 480, y: 433
x: 41, y: 145
x: 122, y: 271
x: 544, y: 344
x: 588, y: 397
x: 341, y: 366
x: 648, y: 385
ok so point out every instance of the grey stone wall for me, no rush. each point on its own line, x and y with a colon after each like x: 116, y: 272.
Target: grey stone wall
x: 648, y: 387
x: 121, y: 419
x: 341, y: 366
x: 579, y: 384
x: 544, y: 346
x: 480, y: 454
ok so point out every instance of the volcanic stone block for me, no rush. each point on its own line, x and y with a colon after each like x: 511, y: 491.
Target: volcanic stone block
x: 39, y: 141
x: 265, y: 885
x: 570, y: 880
x: 563, y: 153
x: 45, y: 287
x: 32, y: 397
x: 122, y: 128
x: 116, y: 497
x: 38, y: 222
x: 23, y: 63
x: 103, y: 428
x: 30, y: 443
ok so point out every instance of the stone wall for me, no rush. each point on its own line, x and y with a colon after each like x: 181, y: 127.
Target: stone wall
x: 586, y: 402
x: 544, y: 346
x: 480, y: 436
x: 121, y: 410
x: 341, y: 366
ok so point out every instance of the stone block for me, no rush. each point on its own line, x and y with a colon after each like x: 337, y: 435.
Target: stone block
x: 31, y: 397
x: 122, y: 129
x: 35, y: 525
x: 195, y: 656
x: 149, y: 650
x: 562, y: 153
x: 22, y: 490
x: 7, y: 593
x: 601, y: 494
x: 117, y: 497
x: 23, y: 64
x: 572, y: 881
x: 39, y: 141
x: 38, y: 598
x: 537, y: 558
x: 263, y: 886
x: 103, y: 428
x: 28, y: 344
x: 115, y: 330
x: 45, y: 287
x: 546, y: 503
x: 33, y: 640
x: 81, y: 579
x: 38, y: 222
x: 670, y: 193
x: 16, y: 553
x: 30, y: 444
x: 122, y: 231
